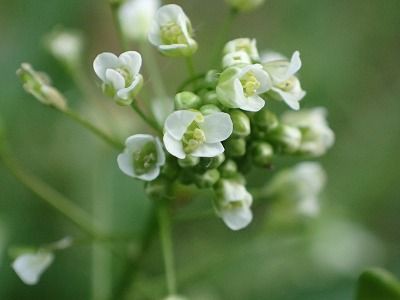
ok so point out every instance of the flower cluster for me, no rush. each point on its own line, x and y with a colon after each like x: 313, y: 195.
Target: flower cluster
x: 221, y: 126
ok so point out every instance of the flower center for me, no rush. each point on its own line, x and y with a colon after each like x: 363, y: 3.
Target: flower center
x: 171, y: 33
x: 194, y: 137
x: 287, y: 85
x: 250, y: 84
x: 126, y: 74
x: 145, y: 158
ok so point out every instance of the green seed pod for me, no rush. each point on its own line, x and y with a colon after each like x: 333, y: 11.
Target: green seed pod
x: 209, y: 109
x: 210, y: 97
x: 286, y: 138
x: 188, y: 161
x: 228, y: 169
x: 241, y: 123
x: 207, y: 179
x: 235, y: 147
x: 158, y: 189
x: 187, y: 100
x: 266, y: 120
x: 262, y: 153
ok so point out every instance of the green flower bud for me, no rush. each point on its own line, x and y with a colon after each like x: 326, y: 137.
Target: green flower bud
x: 235, y: 147
x: 266, y: 120
x: 188, y: 161
x: 187, y: 100
x: 158, y: 189
x: 212, y: 78
x: 210, y: 97
x: 245, y: 5
x: 209, y: 109
x: 286, y: 138
x: 228, y: 169
x: 241, y: 123
x: 208, y: 163
x: 207, y: 179
x: 262, y: 153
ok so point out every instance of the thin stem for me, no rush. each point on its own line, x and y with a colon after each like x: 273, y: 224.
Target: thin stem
x: 164, y: 222
x: 49, y: 195
x: 115, y: 5
x: 190, y: 66
x: 223, y: 35
x: 151, y: 122
x: 88, y: 125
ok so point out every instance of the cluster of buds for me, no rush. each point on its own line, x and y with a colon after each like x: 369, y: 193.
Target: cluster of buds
x: 221, y: 127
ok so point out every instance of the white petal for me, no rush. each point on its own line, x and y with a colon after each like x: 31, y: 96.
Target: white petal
x: 136, y: 141
x: 150, y: 175
x: 133, y: 60
x: 125, y: 93
x: 160, y: 153
x: 292, y: 100
x: 115, y: 79
x: 208, y: 150
x: 295, y: 64
x: 173, y: 146
x: 125, y: 163
x: 177, y: 122
x: 217, y: 127
x: 237, y: 218
x: 269, y: 56
x: 29, y: 267
x: 105, y: 61
x: 168, y: 13
x: 254, y: 103
x: 264, y: 79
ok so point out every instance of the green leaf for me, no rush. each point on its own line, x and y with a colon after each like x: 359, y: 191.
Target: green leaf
x: 378, y: 284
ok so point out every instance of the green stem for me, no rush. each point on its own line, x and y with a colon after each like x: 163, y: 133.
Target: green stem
x: 189, y: 81
x: 190, y: 66
x: 115, y: 5
x: 88, y: 125
x: 164, y: 221
x: 49, y: 195
x: 223, y: 35
x: 151, y: 122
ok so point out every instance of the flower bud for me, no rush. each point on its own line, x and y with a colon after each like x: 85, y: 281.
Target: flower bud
x: 187, y: 100
x: 241, y: 123
x: 262, y: 153
x: 286, y: 138
x: 245, y: 5
x: 210, y: 97
x: 38, y: 85
x: 158, y: 189
x: 208, y: 163
x: 209, y: 109
x: 188, y: 161
x: 265, y: 119
x: 207, y: 179
x: 235, y: 147
x: 228, y: 169
x: 212, y: 78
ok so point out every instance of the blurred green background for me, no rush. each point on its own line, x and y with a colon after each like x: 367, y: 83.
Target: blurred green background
x: 351, y: 66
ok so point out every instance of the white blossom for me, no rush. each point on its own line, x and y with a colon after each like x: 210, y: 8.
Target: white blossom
x: 189, y: 132
x: 249, y: 46
x: 142, y: 157
x: 245, y: 5
x: 136, y: 17
x: 171, y: 32
x: 240, y: 87
x: 120, y: 75
x: 65, y: 45
x: 233, y: 204
x: 316, y: 136
x: 235, y: 58
x: 285, y: 85
x: 30, y: 266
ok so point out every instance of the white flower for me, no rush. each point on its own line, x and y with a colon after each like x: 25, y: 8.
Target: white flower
x: 120, y: 75
x: 301, y: 185
x: 189, y: 132
x: 142, y: 157
x: 249, y: 46
x: 316, y: 136
x: 171, y: 32
x: 245, y: 5
x: 29, y: 267
x: 65, y: 45
x: 235, y: 58
x: 136, y: 17
x: 240, y: 87
x: 286, y: 86
x: 233, y: 204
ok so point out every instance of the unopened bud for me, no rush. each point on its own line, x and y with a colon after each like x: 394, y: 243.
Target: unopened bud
x: 207, y: 179
x: 208, y: 163
x: 228, y: 169
x: 241, y: 123
x: 188, y: 161
x: 235, y: 147
x: 210, y: 97
x: 187, y: 100
x: 209, y: 109
x: 286, y: 138
x: 245, y: 5
x: 266, y: 120
x: 262, y: 153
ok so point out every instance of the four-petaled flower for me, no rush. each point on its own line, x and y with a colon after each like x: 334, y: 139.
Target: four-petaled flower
x: 120, y: 75
x: 285, y: 85
x: 142, y: 158
x: 171, y: 32
x: 188, y: 132
x: 240, y: 87
x: 233, y: 204
x: 249, y: 46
